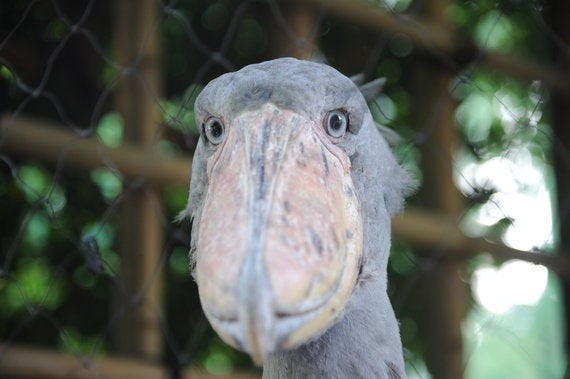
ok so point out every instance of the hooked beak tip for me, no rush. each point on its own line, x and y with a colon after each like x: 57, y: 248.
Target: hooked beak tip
x: 257, y: 353
x: 255, y: 313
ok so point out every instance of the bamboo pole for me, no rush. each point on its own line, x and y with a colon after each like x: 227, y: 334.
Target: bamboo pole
x: 302, y: 21
x: 137, y: 300
x: 560, y: 106
x: 19, y: 362
x: 52, y: 144
x: 433, y: 37
x: 436, y: 235
x: 293, y: 31
x: 442, y: 290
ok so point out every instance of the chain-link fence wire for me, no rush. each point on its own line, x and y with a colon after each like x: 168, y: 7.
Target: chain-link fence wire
x: 60, y: 227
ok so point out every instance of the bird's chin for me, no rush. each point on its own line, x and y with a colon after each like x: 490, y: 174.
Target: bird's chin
x: 288, y: 330
x: 259, y: 323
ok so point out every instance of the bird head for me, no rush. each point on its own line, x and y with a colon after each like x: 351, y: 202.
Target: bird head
x: 276, y: 198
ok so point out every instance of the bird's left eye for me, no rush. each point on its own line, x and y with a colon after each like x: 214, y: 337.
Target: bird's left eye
x: 336, y: 123
x: 214, y: 130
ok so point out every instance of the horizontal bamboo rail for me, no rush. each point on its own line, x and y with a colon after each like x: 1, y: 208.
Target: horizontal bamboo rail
x: 438, y: 39
x: 54, y: 144
x: 31, y: 138
x: 440, y: 234
x: 20, y: 362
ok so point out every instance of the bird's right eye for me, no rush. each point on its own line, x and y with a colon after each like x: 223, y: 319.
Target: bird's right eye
x: 336, y: 123
x: 214, y: 130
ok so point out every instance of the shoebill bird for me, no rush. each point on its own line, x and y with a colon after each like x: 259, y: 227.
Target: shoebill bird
x: 292, y: 191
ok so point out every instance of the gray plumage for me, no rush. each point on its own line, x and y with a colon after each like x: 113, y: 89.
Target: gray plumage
x: 363, y: 341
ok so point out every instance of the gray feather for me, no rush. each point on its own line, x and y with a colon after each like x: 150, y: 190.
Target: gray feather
x: 357, y: 79
x: 372, y: 89
x: 389, y: 135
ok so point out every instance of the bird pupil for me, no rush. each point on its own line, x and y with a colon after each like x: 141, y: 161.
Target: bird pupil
x: 336, y: 122
x: 216, y: 129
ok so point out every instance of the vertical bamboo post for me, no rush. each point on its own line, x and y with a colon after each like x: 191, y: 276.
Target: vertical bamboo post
x: 444, y: 290
x: 560, y: 105
x: 137, y: 301
x: 302, y: 20
x: 297, y: 39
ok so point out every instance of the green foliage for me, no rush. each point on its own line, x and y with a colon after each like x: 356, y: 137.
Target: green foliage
x: 109, y: 183
x: 520, y: 343
x: 383, y: 110
x: 501, y: 25
x: 220, y: 359
x: 178, y: 112
x: 6, y: 73
x: 34, y: 181
x: 475, y: 115
x: 251, y: 39
x: 392, y: 5
x: 496, y: 31
x: 175, y: 198
x: 56, y: 30
x: 36, y: 231
x: 72, y: 341
x: 218, y: 363
x: 403, y: 260
x: 33, y: 285
x: 215, y: 16
x: 504, y: 123
x: 110, y: 129
x: 179, y: 262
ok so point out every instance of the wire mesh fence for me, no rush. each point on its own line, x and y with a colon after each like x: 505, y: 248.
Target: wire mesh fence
x: 96, y: 138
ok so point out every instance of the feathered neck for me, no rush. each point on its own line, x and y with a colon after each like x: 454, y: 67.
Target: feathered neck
x: 364, y: 343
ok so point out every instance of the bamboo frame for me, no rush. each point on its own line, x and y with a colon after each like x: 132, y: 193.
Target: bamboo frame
x: 56, y: 145
x: 137, y: 331
x: 302, y: 20
x: 21, y: 362
x: 432, y: 36
x: 435, y: 232
x: 53, y: 144
x: 441, y: 289
x: 560, y: 120
x: 439, y: 237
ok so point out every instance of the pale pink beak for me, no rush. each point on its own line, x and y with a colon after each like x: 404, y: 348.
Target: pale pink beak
x: 280, y: 235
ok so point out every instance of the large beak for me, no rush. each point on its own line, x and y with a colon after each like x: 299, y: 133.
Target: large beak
x: 280, y: 235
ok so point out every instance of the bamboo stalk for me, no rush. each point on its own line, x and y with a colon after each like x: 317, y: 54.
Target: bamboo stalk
x: 560, y: 118
x: 438, y: 236
x: 432, y: 37
x: 50, y: 143
x: 302, y: 21
x: 54, y: 144
x: 294, y: 31
x: 424, y: 34
x: 441, y: 290
x: 138, y: 299
x: 21, y: 362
